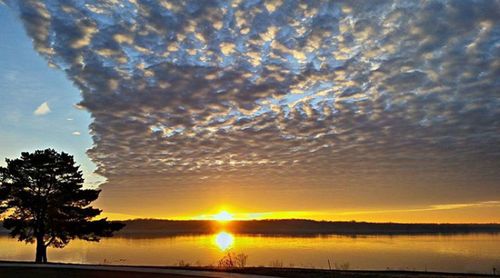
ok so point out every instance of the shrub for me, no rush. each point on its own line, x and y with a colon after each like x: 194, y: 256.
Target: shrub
x: 232, y: 260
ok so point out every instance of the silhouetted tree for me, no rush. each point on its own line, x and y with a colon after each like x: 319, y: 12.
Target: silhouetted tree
x: 43, y: 198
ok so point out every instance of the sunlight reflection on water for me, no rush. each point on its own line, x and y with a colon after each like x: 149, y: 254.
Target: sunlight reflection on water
x: 224, y: 240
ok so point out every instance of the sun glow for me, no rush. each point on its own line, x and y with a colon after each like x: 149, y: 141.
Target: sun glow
x: 224, y: 240
x: 223, y: 216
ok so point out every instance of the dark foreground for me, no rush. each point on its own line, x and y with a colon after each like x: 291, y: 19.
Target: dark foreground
x: 19, y: 272
x: 25, y: 270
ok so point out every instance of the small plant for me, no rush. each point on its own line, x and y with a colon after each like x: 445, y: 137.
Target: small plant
x: 182, y: 263
x: 232, y: 260
x: 276, y: 263
x: 227, y: 261
x: 343, y: 266
x: 241, y: 260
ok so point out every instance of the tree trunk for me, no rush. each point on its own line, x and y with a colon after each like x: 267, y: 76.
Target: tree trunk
x: 44, y: 254
x: 41, y: 251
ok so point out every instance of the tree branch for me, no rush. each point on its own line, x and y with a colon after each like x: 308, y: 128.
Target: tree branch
x: 50, y: 241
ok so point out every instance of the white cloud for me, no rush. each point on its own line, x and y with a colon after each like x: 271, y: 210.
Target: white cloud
x: 78, y: 106
x: 43, y: 109
x: 76, y: 133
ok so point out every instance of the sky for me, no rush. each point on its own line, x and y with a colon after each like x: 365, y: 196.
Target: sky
x: 329, y: 110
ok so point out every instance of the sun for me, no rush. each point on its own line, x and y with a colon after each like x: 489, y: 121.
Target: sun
x: 223, y: 216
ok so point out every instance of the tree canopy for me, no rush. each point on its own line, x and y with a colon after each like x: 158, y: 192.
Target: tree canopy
x: 43, y: 198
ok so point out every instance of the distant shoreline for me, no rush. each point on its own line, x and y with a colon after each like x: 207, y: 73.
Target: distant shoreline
x: 293, y: 227
x: 297, y: 227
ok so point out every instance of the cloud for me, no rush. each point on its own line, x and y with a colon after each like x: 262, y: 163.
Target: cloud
x: 43, y: 109
x: 78, y: 107
x: 484, y: 204
x: 301, y: 93
x: 76, y: 133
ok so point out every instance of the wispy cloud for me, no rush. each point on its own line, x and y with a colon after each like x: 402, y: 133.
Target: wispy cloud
x: 43, y: 109
x: 485, y: 204
x: 76, y: 133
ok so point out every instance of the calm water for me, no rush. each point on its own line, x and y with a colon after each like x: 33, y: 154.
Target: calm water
x: 457, y: 253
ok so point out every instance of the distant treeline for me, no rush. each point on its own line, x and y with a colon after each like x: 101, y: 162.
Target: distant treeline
x: 297, y: 227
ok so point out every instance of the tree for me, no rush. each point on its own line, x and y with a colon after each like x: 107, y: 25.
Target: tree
x: 43, y: 199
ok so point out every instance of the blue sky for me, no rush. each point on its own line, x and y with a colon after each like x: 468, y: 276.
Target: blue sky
x: 26, y: 82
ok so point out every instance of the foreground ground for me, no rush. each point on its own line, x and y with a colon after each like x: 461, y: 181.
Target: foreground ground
x: 27, y: 270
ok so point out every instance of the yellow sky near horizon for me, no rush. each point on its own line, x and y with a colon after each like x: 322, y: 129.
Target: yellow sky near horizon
x: 482, y: 212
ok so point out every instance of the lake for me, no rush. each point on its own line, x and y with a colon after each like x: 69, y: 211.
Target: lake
x: 477, y: 253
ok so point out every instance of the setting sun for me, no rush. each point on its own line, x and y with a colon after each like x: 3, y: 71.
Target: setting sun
x: 223, y: 216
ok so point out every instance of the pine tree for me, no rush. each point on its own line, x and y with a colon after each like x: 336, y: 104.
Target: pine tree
x: 43, y: 198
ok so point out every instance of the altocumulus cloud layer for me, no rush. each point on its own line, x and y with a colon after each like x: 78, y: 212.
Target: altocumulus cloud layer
x: 291, y: 93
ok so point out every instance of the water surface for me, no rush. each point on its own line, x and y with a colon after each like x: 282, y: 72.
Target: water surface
x: 454, y: 253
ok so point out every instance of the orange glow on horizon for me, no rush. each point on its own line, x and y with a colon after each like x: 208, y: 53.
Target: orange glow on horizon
x: 442, y: 213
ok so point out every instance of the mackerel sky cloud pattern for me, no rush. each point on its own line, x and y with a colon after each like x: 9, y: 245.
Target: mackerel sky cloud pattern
x: 290, y: 92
